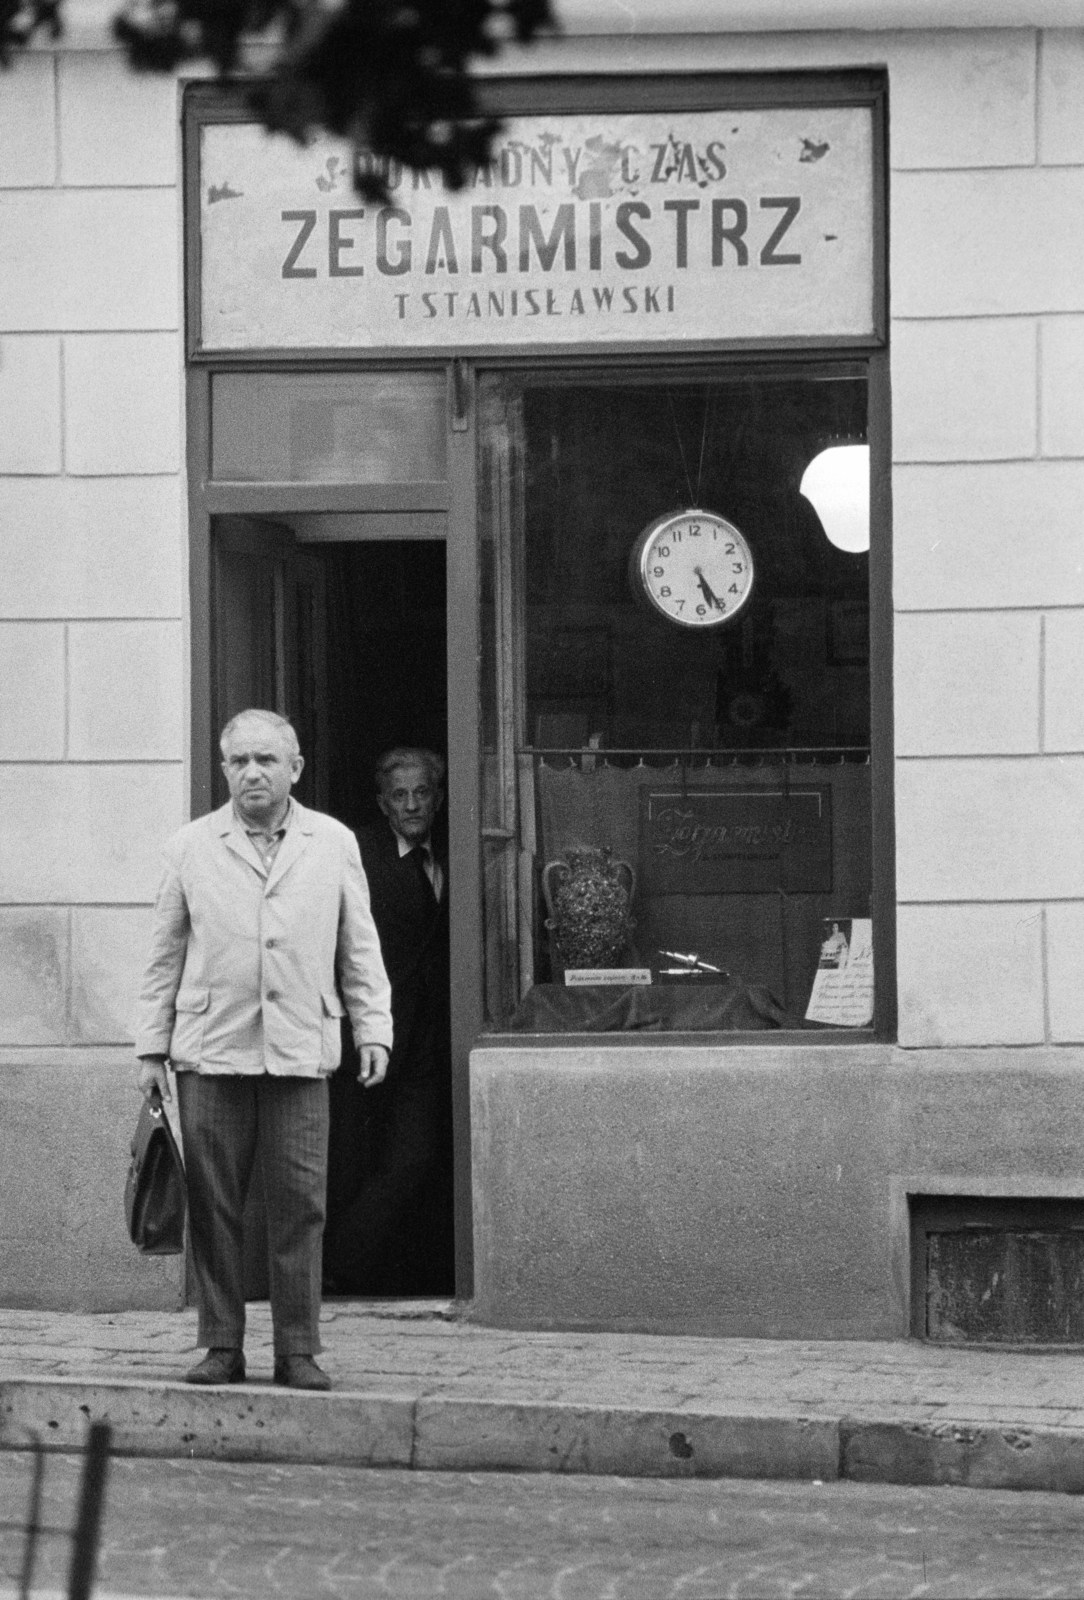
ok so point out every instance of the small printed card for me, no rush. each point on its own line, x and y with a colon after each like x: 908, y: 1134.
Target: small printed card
x: 843, y: 986
x: 581, y: 977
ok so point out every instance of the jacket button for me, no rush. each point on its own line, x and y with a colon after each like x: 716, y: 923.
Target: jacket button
x: 269, y: 944
x: 272, y: 994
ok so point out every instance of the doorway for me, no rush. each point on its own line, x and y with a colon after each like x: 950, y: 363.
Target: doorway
x: 330, y: 621
x: 389, y: 1156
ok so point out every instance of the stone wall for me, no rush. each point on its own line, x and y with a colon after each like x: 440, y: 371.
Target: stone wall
x: 748, y: 1191
x: 988, y: 539
x: 92, y: 651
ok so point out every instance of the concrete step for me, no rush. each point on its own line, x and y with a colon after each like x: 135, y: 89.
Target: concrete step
x: 257, y: 1422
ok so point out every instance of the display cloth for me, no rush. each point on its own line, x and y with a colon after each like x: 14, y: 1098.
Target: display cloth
x: 756, y: 916
x: 696, y: 1007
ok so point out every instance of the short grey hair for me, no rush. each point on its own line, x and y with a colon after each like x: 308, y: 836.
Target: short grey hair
x: 410, y: 756
x: 282, y: 725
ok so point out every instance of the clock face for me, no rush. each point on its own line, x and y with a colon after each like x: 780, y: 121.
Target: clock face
x: 694, y: 567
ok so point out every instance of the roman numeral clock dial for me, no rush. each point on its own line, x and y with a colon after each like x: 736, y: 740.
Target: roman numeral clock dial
x: 694, y: 568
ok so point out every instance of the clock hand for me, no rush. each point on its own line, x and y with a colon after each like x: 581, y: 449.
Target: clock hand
x: 705, y: 589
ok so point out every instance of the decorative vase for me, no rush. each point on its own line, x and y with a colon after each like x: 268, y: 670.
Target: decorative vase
x: 589, y: 896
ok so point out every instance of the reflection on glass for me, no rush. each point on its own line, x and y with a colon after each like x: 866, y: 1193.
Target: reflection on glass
x: 370, y: 427
x: 717, y: 776
x: 836, y: 483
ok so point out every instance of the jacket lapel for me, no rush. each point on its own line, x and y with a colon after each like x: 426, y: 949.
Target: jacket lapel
x: 297, y: 837
x: 236, y: 839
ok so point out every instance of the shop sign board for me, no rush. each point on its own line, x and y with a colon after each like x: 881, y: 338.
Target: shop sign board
x: 693, y: 226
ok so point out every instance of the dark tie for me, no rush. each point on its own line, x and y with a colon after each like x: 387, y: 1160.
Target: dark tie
x: 417, y: 857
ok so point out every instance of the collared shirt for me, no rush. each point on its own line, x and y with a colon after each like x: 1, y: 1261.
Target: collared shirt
x: 264, y: 841
x: 433, y: 869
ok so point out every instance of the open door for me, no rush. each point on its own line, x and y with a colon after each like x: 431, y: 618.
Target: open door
x: 270, y: 638
x: 270, y: 606
x: 344, y: 631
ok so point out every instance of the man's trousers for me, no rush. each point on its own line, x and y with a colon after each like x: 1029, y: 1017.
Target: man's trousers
x: 226, y: 1122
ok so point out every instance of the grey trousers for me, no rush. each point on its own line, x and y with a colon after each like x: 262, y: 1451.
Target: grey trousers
x: 226, y: 1122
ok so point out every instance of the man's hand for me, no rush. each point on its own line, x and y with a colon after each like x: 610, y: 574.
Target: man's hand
x: 152, y: 1075
x: 374, y: 1064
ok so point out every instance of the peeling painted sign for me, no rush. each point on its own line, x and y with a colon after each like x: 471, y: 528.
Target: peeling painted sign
x: 700, y: 226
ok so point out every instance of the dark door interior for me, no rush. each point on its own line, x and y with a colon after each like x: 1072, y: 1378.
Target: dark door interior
x: 349, y: 639
x: 387, y: 682
x: 387, y: 686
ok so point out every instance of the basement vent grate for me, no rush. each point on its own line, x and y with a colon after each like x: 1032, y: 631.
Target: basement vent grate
x: 997, y: 1271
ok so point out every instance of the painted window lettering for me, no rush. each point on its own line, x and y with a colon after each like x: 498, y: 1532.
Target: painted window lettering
x: 680, y: 833
x: 491, y: 240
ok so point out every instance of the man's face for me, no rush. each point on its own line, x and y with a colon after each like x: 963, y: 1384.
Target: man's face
x: 410, y: 802
x: 260, y: 769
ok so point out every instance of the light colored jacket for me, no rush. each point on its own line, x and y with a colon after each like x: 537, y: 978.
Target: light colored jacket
x: 244, y: 960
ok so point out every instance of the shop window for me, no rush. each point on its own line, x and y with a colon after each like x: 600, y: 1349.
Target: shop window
x: 354, y: 427
x: 676, y: 785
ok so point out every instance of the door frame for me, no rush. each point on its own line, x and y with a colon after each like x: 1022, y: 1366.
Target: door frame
x: 208, y: 499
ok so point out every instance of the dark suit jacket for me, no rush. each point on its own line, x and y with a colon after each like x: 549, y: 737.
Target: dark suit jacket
x: 413, y: 931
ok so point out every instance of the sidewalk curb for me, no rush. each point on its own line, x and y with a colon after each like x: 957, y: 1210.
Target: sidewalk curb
x: 968, y: 1455
x: 253, y: 1422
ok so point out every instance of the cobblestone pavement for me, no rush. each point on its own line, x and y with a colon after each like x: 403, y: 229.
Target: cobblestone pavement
x: 424, y: 1350
x: 201, y: 1529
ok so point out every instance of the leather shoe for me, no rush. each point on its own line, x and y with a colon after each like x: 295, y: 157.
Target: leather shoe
x: 221, y: 1364
x: 300, y: 1372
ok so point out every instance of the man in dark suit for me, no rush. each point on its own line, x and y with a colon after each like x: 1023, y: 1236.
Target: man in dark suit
x: 390, y: 1221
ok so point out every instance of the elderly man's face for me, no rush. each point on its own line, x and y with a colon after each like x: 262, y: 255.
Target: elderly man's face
x: 410, y: 802
x: 260, y: 769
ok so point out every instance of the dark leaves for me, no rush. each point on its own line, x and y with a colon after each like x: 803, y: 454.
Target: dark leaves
x: 391, y: 76
x: 20, y: 20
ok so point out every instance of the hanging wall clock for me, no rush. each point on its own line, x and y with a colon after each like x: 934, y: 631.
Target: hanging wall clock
x: 694, y: 568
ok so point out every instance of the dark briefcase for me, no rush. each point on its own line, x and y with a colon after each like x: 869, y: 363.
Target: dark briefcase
x: 154, y: 1195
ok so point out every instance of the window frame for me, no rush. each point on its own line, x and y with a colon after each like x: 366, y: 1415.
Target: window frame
x: 660, y: 367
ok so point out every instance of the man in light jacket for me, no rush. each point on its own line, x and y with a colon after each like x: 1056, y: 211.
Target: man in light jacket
x: 262, y: 906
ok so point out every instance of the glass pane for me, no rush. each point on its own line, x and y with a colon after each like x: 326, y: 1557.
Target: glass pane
x: 356, y: 427
x: 683, y: 706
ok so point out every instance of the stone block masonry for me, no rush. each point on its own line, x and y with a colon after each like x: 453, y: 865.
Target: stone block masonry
x: 92, y: 653
x: 988, y: 549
